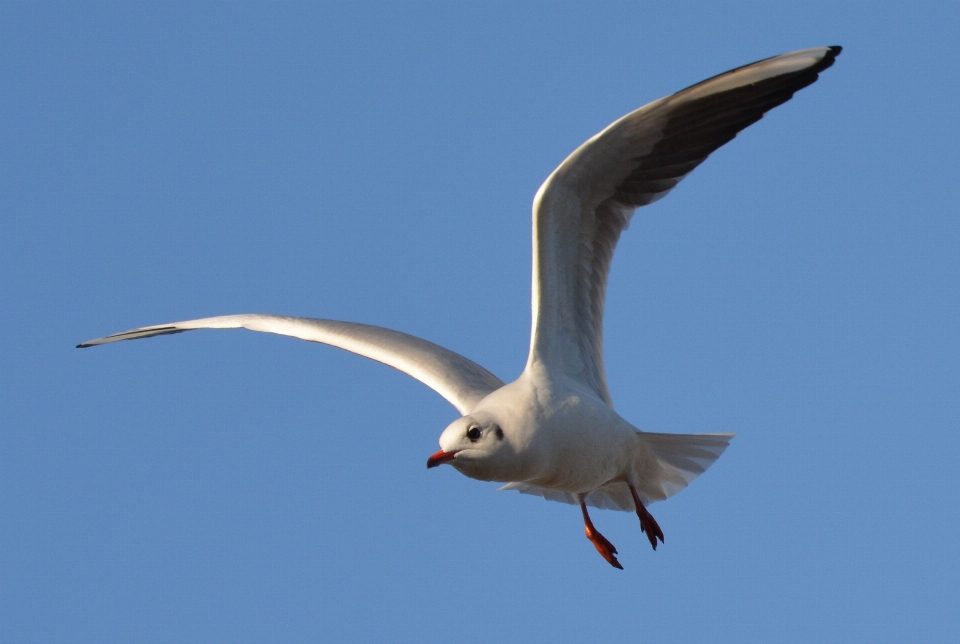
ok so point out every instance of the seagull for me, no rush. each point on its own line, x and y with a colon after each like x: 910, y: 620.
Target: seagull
x: 553, y: 432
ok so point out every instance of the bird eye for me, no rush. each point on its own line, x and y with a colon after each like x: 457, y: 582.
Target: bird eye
x: 473, y: 433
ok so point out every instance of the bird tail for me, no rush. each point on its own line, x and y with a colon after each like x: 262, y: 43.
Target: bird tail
x: 682, y: 458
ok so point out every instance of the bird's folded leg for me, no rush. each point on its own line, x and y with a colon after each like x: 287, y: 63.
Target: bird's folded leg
x: 604, y: 547
x: 648, y: 524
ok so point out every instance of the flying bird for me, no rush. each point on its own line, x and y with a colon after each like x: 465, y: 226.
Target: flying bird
x: 553, y: 432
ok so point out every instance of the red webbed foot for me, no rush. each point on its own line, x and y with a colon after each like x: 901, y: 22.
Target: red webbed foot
x: 600, y: 542
x: 604, y: 547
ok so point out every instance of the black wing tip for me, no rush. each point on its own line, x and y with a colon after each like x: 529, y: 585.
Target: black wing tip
x: 824, y: 63
x: 131, y: 335
x: 832, y: 52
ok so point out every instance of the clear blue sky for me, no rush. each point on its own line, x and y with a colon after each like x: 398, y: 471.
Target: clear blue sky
x: 376, y: 163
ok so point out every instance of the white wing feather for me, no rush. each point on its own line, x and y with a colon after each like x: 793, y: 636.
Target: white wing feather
x: 581, y: 209
x: 462, y: 382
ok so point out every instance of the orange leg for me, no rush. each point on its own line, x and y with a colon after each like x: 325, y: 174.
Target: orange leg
x: 604, y: 547
x: 647, y: 523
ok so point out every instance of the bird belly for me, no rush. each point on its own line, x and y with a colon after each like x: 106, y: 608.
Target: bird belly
x: 586, y: 459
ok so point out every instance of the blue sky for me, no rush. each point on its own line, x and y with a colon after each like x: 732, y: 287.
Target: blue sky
x: 376, y: 163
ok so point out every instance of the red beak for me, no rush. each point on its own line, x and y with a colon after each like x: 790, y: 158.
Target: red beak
x: 440, y: 458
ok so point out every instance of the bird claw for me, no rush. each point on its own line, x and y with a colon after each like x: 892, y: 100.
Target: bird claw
x: 604, y: 547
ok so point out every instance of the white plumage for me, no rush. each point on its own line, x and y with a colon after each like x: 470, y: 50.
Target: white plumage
x: 553, y: 431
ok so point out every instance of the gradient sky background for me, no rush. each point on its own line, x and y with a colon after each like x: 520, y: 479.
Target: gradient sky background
x: 376, y: 163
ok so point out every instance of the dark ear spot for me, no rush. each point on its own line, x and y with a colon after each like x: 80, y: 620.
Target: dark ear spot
x: 499, y: 433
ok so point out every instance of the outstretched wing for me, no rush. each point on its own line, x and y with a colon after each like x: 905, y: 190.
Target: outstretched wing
x: 581, y: 209
x: 462, y: 382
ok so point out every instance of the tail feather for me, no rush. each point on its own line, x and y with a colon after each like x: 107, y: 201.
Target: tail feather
x: 683, y: 457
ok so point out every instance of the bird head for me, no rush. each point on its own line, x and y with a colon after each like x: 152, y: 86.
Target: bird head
x: 476, y: 446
